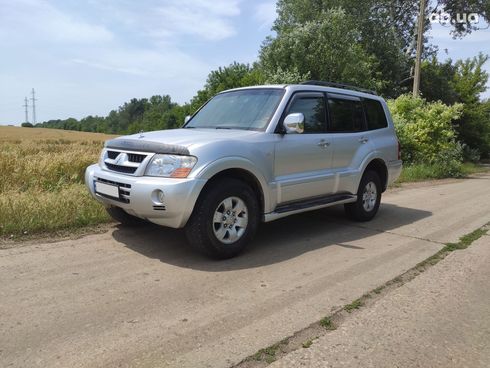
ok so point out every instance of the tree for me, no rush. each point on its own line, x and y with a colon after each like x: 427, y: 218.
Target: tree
x: 462, y: 82
x: 437, y: 79
x: 323, y: 49
x: 27, y: 125
x: 342, y: 41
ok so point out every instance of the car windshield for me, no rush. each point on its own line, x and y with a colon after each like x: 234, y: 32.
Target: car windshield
x: 249, y: 109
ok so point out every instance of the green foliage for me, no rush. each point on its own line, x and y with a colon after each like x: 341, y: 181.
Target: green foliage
x: 426, y: 133
x: 462, y: 82
x: 319, y: 49
x: 342, y: 40
x: 27, y: 125
x: 436, y: 83
x: 470, y: 79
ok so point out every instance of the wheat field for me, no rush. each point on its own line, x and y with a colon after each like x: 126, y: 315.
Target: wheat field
x: 42, y: 173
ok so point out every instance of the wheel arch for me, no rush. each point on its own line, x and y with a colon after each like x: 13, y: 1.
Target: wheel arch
x: 379, y: 166
x: 240, y: 169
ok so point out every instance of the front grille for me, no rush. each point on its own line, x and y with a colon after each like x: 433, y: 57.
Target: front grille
x: 132, y: 157
x: 123, y: 162
x: 121, y: 169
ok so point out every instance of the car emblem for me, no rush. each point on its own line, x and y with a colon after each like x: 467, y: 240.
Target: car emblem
x: 122, y: 158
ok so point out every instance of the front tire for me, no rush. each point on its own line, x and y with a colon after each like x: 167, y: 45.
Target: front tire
x: 224, y: 220
x: 368, y: 198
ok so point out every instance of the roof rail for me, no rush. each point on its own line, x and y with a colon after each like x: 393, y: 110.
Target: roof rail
x: 339, y: 85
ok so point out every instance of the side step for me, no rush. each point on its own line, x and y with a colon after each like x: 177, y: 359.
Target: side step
x: 310, y: 204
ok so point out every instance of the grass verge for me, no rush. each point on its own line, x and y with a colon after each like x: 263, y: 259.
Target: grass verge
x: 305, y: 338
x: 421, y: 172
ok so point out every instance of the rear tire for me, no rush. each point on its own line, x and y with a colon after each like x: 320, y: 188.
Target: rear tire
x: 121, y: 216
x: 368, y: 198
x: 225, y: 219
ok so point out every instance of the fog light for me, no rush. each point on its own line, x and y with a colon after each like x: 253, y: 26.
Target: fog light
x: 158, y: 197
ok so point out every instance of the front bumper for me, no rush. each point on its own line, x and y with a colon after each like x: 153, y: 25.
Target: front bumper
x: 180, y: 195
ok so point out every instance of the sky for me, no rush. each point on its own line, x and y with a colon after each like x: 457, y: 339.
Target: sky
x: 89, y: 57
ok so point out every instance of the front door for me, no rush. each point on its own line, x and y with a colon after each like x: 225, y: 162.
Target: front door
x: 303, y: 161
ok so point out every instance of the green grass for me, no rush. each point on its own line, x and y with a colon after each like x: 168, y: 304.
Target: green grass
x: 268, y: 354
x: 420, y: 172
x: 356, y: 304
x: 464, y: 242
x: 327, y: 323
x: 307, y: 344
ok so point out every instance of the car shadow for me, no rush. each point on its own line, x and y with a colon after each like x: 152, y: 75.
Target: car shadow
x: 275, y: 242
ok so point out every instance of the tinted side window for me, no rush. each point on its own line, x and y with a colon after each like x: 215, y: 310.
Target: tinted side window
x: 375, y: 114
x: 313, y: 108
x: 345, y: 115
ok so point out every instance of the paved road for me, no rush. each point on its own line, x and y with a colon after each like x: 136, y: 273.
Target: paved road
x: 143, y: 299
x: 440, y: 319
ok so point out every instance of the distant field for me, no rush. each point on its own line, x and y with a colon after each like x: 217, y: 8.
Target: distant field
x: 12, y: 133
x: 42, y: 173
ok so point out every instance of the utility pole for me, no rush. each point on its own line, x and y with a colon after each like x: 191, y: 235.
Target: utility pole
x: 26, y: 106
x: 33, y: 99
x: 420, y: 44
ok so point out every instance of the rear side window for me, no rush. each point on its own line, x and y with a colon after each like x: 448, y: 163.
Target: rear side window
x: 375, y: 115
x: 346, y: 115
x: 313, y: 108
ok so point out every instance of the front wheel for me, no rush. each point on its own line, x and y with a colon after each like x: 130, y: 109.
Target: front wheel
x: 224, y: 220
x: 368, y: 198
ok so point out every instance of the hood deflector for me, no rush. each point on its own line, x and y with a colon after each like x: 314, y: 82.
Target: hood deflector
x: 145, y: 146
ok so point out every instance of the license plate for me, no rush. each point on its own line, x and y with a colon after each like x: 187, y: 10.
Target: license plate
x: 107, y: 189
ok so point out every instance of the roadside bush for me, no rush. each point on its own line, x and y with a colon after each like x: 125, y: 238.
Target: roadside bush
x: 471, y: 154
x: 426, y: 133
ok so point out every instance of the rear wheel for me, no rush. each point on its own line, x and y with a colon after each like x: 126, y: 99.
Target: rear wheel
x: 368, y: 198
x: 224, y: 220
x: 121, y: 216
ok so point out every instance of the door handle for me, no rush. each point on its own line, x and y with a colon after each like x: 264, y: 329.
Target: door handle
x: 363, y: 140
x: 323, y: 144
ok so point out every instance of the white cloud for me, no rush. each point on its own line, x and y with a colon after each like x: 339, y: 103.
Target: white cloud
x: 265, y: 14
x: 39, y: 19
x: 166, y: 20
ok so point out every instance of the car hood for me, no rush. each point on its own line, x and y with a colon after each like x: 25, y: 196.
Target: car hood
x: 177, y: 141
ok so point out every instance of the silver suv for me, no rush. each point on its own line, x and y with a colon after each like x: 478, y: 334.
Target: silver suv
x: 250, y: 155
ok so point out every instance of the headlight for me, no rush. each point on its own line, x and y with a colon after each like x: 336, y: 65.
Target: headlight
x: 170, y: 166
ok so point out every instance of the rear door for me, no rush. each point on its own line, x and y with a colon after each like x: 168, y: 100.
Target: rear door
x: 303, y: 161
x: 351, y: 144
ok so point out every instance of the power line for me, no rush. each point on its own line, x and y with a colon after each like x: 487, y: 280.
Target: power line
x: 33, y: 99
x: 26, y: 106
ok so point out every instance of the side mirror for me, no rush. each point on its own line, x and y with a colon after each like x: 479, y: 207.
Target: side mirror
x: 294, y: 123
x: 187, y: 118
